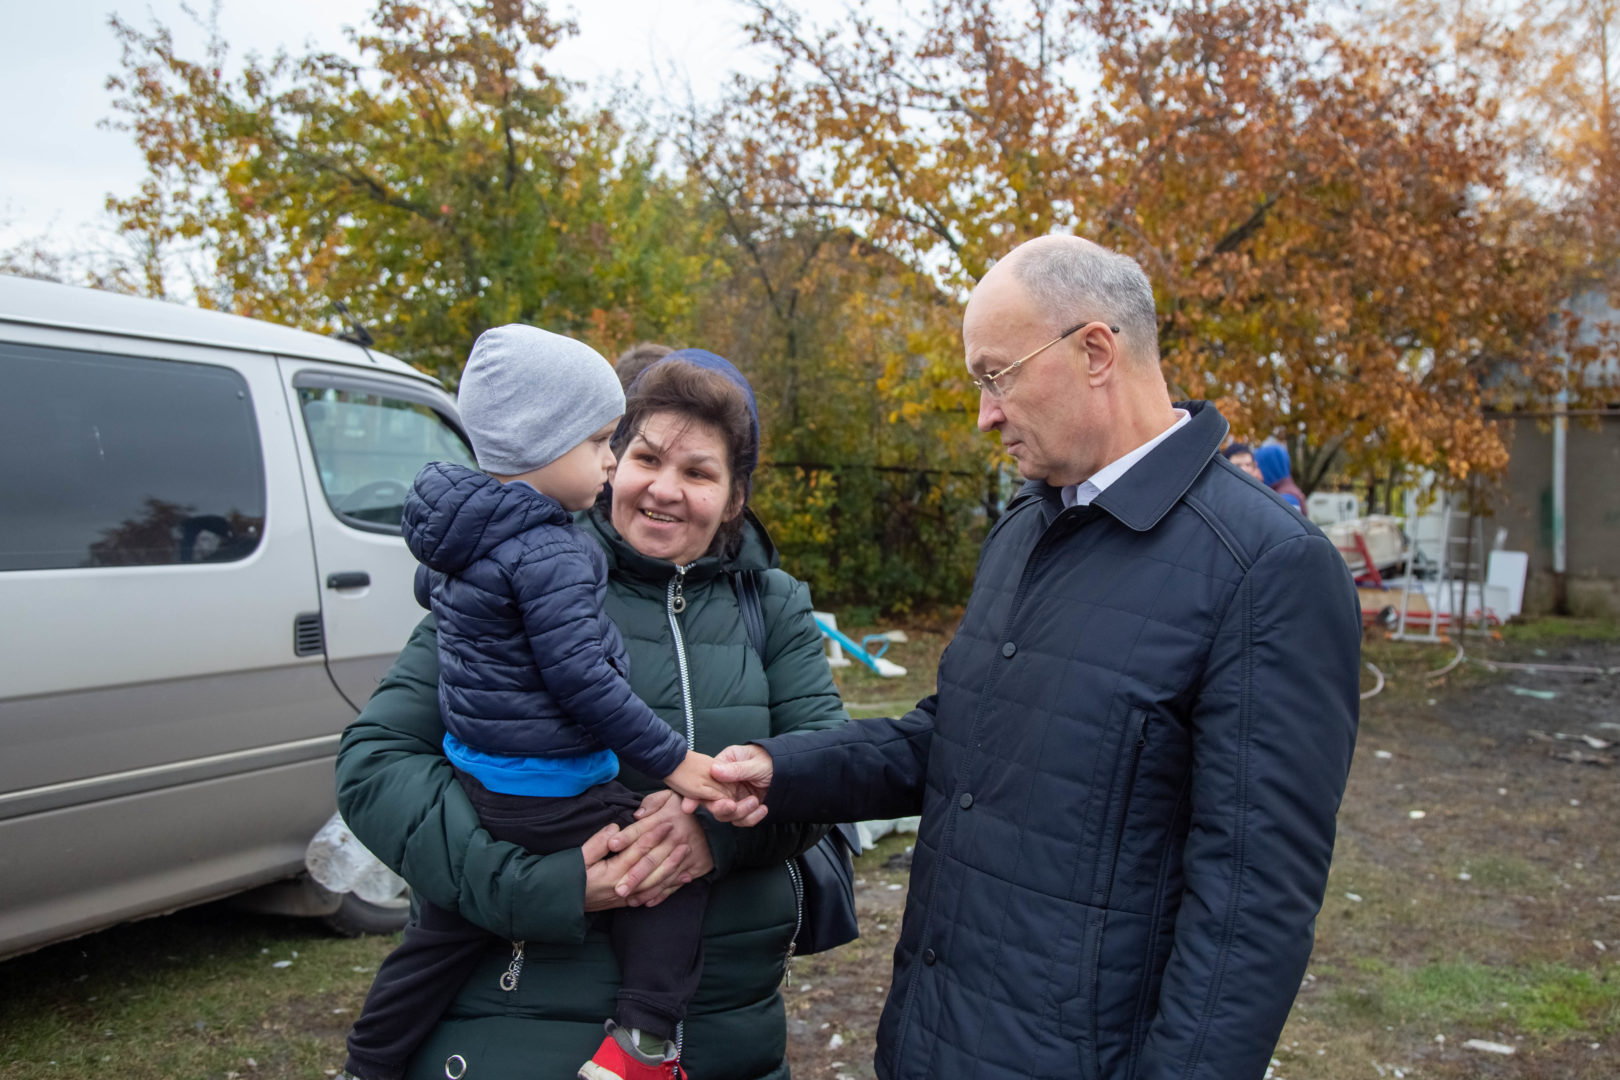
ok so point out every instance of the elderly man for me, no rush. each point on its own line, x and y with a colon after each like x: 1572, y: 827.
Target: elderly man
x: 1129, y: 774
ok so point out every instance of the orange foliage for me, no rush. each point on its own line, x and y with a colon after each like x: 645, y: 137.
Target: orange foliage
x: 1319, y: 215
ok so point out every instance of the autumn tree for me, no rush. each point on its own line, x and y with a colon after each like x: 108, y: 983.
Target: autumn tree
x: 876, y: 496
x: 443, y: 182
x: 1550, y: 71
x: 1314, y: 212
x: 1343, y: 244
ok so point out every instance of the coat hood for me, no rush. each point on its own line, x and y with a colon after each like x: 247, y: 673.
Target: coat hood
x: 1272, y: 458
x: 455, y: 515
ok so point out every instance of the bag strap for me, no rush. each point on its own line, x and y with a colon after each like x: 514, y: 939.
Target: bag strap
x: 745, y: 583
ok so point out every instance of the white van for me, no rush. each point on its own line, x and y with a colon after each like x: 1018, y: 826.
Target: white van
x: 201, y: 581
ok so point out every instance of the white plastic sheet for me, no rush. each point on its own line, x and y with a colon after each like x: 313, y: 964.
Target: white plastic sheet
x: 339, y: 862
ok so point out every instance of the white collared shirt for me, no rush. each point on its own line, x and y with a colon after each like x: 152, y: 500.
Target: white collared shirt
x: 1081, y: 494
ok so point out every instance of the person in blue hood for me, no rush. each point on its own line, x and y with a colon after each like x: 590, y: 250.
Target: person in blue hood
x: 534, y: 692
x: 1276, y: 472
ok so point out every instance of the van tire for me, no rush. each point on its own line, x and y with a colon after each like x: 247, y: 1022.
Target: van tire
x: 356, y: 917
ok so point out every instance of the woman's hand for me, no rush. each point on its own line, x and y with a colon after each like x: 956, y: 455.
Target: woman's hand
x: 681, y: 857
x: 607, y: 870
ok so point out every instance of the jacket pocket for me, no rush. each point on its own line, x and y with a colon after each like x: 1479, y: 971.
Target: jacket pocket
x: 1128, y: 761
x: 1077, y: 1014
x: 1110, y: 992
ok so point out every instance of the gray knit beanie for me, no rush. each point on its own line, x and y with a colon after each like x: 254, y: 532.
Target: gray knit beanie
x: 529, y: 396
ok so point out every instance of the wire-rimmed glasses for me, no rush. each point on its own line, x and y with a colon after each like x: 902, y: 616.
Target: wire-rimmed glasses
x: 987, y: 384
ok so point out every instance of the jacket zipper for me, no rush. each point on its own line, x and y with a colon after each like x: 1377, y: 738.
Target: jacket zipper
x: 1128, y: 779
x: 675, y: 601
x: 509, y: 977
x: 798, y: 919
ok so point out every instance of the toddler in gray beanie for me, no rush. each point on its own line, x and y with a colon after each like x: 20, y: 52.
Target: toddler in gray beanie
x: 529, y: 396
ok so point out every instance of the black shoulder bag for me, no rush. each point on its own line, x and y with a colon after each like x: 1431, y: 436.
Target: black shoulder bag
x: 823, y: 876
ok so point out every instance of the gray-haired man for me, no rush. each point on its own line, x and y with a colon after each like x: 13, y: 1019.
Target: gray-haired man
x: 1129, y: 774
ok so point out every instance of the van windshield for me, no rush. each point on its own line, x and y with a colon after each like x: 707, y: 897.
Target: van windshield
x: 369, y: 447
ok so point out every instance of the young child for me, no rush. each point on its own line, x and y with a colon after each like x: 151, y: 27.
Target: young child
x: 533, y: 693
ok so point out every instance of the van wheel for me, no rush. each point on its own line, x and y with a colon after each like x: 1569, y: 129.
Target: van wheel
x: 356, y: 917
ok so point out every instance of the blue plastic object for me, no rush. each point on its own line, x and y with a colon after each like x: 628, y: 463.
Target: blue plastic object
x: 856, y: 651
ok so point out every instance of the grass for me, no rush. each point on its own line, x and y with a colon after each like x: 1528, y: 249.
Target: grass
x: 192, y: 995
x: 1509, y: 873
x: 1550, y: 1001
x: 1408, y: 668
x: 1558, y: 630
x: 868, y: 694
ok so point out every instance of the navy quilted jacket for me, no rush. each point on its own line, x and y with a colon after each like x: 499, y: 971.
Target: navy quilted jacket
x: 1128, y: 780
x: 529, y: 664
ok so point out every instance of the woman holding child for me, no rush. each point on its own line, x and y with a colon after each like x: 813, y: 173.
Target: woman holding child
x: 675, y: 531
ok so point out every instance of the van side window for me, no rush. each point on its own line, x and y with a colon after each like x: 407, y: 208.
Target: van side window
x: 125, y: 461
x: 369, y: 445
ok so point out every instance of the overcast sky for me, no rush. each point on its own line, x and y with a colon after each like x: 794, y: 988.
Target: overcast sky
x: 57, y: 165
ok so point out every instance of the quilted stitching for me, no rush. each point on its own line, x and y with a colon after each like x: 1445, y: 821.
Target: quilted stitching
x: 1047, y: 946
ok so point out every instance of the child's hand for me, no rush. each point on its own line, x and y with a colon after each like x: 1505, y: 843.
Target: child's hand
x: 692, y: 783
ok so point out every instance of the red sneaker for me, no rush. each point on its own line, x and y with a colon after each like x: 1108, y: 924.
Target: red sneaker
x: 615, y: 1061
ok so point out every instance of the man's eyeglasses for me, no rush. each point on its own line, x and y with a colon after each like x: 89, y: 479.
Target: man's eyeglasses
x: 987, y: 383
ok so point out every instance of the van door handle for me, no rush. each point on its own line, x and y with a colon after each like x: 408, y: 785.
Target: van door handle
x: 348, y: 579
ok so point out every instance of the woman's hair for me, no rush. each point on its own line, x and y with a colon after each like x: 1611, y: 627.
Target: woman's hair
x: 706, y: 397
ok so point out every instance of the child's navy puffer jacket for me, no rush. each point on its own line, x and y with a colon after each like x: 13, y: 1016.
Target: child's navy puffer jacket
x: 529, y: 664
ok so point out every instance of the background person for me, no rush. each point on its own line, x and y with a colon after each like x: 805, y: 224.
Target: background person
x: 1129, y: 774
x: 673, y: 526
x: 1242, y: 455
x: 636, y: 359
x: 1276, y: 472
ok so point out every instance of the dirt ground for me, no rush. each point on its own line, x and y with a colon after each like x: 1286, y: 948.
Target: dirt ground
x: 1474, y: 895
x: 833, y: 999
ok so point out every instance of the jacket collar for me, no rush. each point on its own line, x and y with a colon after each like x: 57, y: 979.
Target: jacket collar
x: 454, y: 515
x: 1141, y: 498
x: 757, y: 552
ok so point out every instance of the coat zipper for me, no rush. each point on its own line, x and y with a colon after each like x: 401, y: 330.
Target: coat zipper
x: 798, y: 919
x: 1128, y: 779
x: 509, y: 977
x: 675, y: 601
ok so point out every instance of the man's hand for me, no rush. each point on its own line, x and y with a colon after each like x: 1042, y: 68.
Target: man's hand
x: 745, y: 771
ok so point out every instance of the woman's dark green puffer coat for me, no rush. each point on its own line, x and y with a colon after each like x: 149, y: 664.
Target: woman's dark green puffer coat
x: 398, y: 795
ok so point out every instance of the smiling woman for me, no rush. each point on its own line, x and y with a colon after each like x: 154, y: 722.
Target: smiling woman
x: 687, y: 447
x: 672, y: 489
x: 678, y: 541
